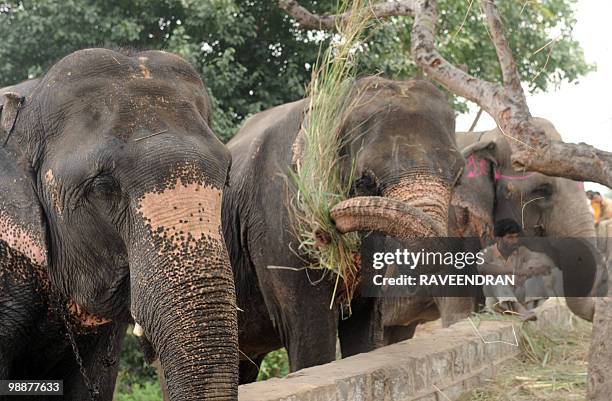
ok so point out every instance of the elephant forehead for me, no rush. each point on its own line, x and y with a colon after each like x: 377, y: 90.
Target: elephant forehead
x: 21, y: 240
x: 183, y: 210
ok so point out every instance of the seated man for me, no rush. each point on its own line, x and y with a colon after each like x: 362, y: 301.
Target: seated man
x: 601, y: 205
x: 505, y: 256
x: 603, y: 224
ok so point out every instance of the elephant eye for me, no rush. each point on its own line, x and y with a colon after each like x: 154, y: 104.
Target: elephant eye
x: 105, y: 185
x: 544, y: 191
x: 365, y: 185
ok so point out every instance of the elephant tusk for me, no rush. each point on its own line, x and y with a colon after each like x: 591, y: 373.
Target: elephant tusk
x: 138, y: 331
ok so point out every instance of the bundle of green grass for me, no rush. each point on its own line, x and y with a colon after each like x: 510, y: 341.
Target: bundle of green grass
x: 318, y: 178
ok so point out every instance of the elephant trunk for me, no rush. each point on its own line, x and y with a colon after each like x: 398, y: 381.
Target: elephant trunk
x: 415, y: 206
x: 579, y: 226
x: 582, y: 307
x: 182, y: 292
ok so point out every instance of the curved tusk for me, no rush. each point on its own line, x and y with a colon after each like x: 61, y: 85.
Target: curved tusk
x: 138, y: 331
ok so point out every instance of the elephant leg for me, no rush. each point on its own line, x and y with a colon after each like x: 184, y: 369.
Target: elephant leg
x: 312, y: 337
x: 363, y: 331
x: 301, y: 315
x: 395, y: 334
x: 249, y: 369
x: 94, y: 349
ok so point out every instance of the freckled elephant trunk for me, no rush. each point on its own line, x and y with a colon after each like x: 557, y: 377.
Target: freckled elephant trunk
x: 414, y: 207
x: 182, y: 267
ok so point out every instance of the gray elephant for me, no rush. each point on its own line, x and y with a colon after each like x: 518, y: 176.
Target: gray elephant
x: 110, y: 212
x: 401, y: 139
x: 548, y: 207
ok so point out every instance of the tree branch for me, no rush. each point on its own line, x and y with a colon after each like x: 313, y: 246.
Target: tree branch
x: 531, y: 149
x: 475, y: 122
x: 437, y: 67
x: 510, y: 75
x: 330, y: 22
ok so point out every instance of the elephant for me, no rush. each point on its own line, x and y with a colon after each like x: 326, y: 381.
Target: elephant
x: 110, y: 214
x: 549, y: 207
x: 402, y: 141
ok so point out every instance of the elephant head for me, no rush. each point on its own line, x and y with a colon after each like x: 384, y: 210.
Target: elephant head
x: 492, y: 190
x: 400, y: 136
x: 129, y: 177
x: 401, y: 150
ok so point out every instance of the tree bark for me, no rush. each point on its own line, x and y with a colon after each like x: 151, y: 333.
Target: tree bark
x: 599, y: 386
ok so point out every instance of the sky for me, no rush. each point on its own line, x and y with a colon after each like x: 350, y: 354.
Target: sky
x: 581, y: 112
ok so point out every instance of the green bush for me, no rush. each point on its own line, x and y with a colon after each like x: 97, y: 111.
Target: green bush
x: 148, y: 391
x: 136, y: 380
x: 275, y: 364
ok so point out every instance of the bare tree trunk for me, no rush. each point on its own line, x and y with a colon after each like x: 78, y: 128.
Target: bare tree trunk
x: 599, y: 386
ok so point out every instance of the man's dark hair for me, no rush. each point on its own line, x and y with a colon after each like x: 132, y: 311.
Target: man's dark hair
x: 591, y: 194
x: 507, y: 226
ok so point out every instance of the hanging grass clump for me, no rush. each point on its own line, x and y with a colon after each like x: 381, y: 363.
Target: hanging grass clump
x: 318, y: 177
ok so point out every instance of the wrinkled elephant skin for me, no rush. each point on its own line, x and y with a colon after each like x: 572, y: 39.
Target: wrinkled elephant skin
x: 113, y: 216
x: 401, y: 139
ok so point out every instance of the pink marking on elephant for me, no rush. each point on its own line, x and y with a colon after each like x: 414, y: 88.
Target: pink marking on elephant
x: 22, y: 241
x: 476, y: 167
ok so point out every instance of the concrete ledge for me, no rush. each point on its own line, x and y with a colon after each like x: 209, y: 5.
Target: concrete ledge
x: 450, y: 361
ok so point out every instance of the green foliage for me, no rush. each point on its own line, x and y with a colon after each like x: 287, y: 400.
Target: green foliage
x: 145, y: 392
x: 136, y: 380
x: 251, y: 55
x: 275, y: 364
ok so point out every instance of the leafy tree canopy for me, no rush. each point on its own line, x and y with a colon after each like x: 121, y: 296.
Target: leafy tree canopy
x: 252, y: 56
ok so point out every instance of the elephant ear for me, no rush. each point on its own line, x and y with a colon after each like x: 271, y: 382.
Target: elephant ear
x: 11, y: 103
x: 473, y: 200
x: 22, y: 226
x: 486, y: 150
x: 481, y: 160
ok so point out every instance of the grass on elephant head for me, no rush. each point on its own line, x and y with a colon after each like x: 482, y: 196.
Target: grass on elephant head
x: 318, y: 178
x: 551, y: 366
